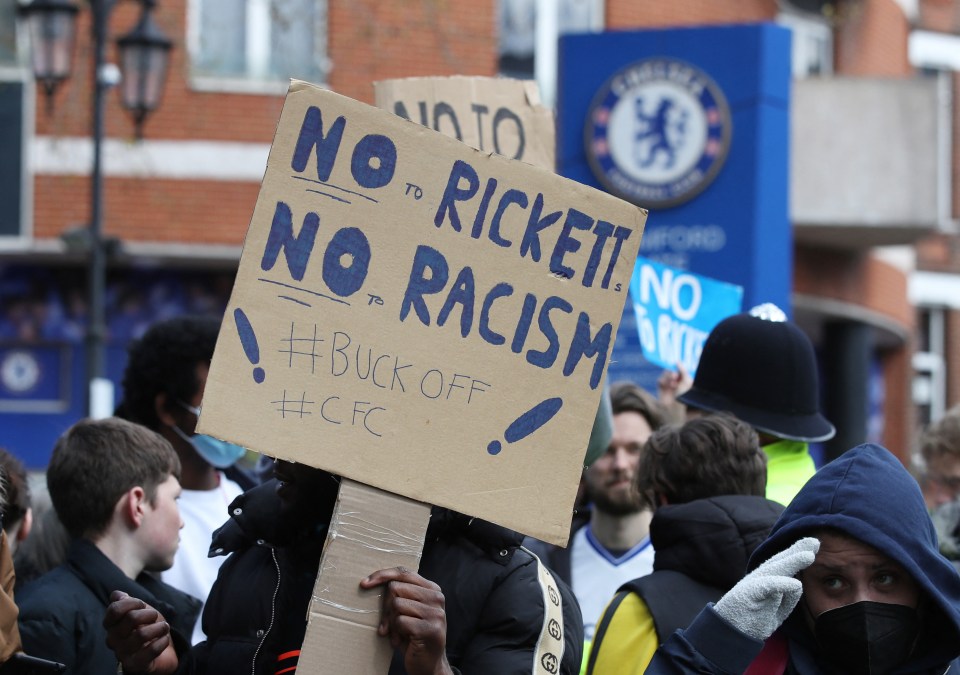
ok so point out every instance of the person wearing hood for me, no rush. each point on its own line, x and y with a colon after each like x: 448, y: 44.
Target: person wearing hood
x: 761, y: 368
x: 705, y: 482
x: 850, y: 580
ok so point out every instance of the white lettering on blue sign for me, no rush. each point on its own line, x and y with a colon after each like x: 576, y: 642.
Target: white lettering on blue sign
x: 676, y: 310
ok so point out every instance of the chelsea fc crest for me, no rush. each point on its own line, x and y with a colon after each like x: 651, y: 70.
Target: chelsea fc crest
x: 657, y: 132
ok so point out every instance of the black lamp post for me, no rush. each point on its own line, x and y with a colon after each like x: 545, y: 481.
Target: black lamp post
x: 144, y: 53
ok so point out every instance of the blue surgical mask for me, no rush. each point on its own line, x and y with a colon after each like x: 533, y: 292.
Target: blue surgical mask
x: 216, y: 452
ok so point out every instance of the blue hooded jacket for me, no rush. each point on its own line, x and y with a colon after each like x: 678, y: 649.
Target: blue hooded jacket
x: 867, y: 494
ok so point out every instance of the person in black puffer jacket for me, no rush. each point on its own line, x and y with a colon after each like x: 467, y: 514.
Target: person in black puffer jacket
x: 498, y: 597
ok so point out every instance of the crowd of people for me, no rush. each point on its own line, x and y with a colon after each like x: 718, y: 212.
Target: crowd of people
x: 705, y: 540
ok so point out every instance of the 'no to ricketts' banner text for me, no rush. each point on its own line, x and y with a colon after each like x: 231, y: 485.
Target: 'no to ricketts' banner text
x: 420, y: 316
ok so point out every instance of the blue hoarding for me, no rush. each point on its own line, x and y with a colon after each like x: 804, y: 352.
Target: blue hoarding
x: 43, y: 324
x: 693, y: 124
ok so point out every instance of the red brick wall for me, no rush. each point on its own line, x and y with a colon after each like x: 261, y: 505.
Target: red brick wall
x: 934, y: 253
x: 372, y: 40
x: 898, y: 410
x: 630, y: 14
x: 183, y: 114
x: 210, y: 212
x: 939, y: 15
x: 855, y: 278
x: 871, y: 39
x: 368, y: 40
x: 863, y: 281
x: 941, y: 252
x: 953, y: 358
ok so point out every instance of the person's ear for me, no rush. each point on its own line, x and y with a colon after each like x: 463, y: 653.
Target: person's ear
x: 134, y: 506
x: 161, y: 406
x: 25, y: 525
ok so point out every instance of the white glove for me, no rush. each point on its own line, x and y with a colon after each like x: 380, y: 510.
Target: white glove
x: 763, y: 599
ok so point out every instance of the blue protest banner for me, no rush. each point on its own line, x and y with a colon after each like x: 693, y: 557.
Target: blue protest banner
x: 676, y: 310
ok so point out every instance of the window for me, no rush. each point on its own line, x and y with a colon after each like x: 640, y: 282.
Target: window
x: 8, y: 32
x: 16, y: 127
x: 529, y: 31
x: 518, y: 37
x: 518, y: 29
x: 929, y: 371
x: 812, y: 43
x: 257, y: 43
x: 934, y: 52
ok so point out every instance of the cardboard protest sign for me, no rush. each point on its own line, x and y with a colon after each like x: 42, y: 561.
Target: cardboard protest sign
x: 370, y: 528
x: 420, y: 316
x: 493, y: 114
x: 510, y: 118
x: 676, y: 310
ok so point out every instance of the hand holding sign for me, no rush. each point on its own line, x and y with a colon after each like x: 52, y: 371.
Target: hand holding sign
x: 413, y: 619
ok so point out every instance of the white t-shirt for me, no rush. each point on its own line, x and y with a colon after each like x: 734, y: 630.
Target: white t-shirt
x: 596, y: 574
x: 203, y: 511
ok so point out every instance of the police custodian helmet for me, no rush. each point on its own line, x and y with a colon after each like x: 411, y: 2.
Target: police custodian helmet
x: 761, y: 368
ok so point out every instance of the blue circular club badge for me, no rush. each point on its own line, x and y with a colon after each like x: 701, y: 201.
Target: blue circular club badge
x: 658, y: 132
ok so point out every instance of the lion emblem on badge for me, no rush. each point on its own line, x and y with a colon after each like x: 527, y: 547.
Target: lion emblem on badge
x: 658, y: 132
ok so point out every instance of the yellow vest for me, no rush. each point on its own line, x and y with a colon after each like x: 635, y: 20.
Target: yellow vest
x: 789, y: 466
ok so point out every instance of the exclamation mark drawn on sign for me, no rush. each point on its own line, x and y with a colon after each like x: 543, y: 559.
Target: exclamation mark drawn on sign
x: 528, y: 422
x: 249, y: 341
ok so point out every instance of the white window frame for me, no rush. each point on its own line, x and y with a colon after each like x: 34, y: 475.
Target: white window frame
x: 929, y: 369
x: 936, y: 51
x: 256, y: 80
x: 812, y: 50
x: 934, y: 292
x: 547, y: 31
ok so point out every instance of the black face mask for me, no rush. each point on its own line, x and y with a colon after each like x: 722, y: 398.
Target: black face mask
x: 867, y: 638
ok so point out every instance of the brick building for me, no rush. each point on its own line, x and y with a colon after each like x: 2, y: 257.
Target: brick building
x: 872, y: 168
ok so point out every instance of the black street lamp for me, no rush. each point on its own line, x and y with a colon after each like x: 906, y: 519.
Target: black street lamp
x: 51, y: 25
x: 144, y: 53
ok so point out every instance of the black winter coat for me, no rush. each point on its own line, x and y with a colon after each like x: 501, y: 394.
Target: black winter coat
x: 495, y: 604
x: 702, y: 548
x: 61, y: 612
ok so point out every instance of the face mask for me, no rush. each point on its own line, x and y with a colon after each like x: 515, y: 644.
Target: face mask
x: 867, y: 638
x: 216, y: 452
